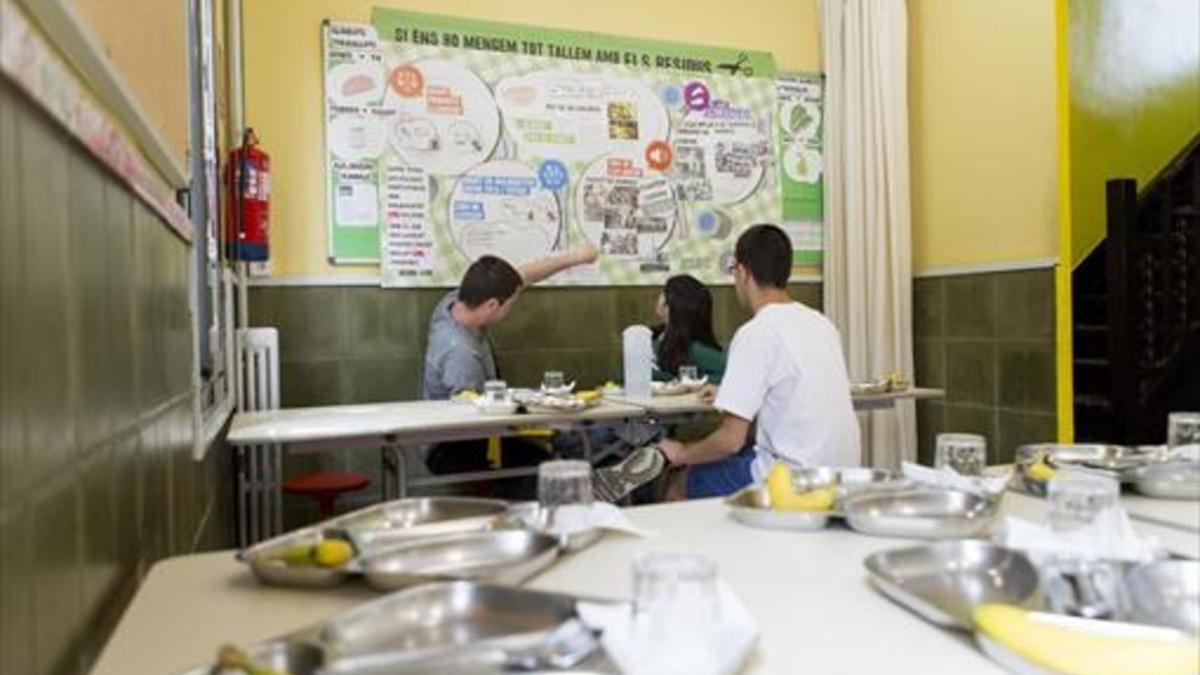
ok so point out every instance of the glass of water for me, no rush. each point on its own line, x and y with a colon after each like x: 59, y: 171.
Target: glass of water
x: 495, y: 391
x: 1183, y: 428
x: 679, y: 584
x: 689, y: 373
x: 564, y: 482
x: 553, y: 380
x: 965, y: 453
x: 1077, y: 499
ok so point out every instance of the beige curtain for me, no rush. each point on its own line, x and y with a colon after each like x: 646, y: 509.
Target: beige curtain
x: 868, y: 275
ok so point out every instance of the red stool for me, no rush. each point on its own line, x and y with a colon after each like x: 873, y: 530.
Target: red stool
x: 325, y: 486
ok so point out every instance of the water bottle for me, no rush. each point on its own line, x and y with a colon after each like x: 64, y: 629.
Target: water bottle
x: 638, y: 353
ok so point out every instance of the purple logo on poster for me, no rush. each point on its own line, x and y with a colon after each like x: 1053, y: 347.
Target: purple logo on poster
x: 696, y: 96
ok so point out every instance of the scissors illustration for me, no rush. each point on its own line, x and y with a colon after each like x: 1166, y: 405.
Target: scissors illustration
x: 740, y: 66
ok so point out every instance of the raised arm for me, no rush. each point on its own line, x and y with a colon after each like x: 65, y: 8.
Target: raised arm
x: 535, y: 271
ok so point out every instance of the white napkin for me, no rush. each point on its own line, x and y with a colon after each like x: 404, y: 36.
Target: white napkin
x: 1110, y: 537
x: 650, y: 645
x: 576, y: 518
x: 947, y: 477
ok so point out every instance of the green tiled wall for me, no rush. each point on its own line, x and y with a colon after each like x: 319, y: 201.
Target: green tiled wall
x: 357, y: 344
x: 96, y: 476
x: 988, y: 339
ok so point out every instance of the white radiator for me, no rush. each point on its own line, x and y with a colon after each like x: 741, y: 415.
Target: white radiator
x: 259, y: 467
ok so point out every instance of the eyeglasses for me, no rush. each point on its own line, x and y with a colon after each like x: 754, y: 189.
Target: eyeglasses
x: 730, y: 265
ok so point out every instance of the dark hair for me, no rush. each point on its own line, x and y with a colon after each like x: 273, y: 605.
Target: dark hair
x: 766, y: 253
x: 487, y: 278
x: 689, y: 319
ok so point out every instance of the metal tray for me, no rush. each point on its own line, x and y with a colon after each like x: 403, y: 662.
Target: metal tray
x: 1166, y: 593
x: 443, y: 629
x: 447, y: 627
x: 944, y: 582
x: 752, y: 506
x: 271, y: 570
x: 1117, y: 461
x: 1170, y: 480
x: 501, y: 557
x: 292, y: 656
x: 923, y: 513
x: 402, y: 519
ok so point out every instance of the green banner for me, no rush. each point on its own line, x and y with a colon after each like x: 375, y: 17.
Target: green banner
x: 431, y: 30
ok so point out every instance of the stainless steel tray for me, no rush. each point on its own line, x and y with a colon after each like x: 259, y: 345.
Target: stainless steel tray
x: 1117, y: 461
x: 292, y: 656
x: 944, y: 582
x: 501, y: 557
x: 924, y: 513
x: 1169, y: 480
x: 752, y: 506
x: 1166, y: 593
x: 423, y: 516
x: 264, y: 563
x: 440, y: 617
x: 444, y: 628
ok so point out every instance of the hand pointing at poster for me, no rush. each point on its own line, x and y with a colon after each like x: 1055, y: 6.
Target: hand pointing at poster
x: 535, y: 271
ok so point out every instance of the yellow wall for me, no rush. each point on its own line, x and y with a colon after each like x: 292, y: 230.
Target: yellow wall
x: 283, y: 79
x: 983, y: 137
x: 1135, y: 98
x: 146, y: 41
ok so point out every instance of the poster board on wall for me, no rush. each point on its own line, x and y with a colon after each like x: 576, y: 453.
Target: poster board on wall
x: 448, y: 139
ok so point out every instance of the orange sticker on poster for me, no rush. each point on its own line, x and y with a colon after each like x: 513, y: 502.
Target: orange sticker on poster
x: 659, y: 155
x: 407, y: 81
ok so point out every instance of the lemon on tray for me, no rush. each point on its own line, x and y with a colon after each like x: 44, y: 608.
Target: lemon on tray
x: 1063, y: 644
x: 326, y: 553
x: 1040, y: 470
x: 785, y: 498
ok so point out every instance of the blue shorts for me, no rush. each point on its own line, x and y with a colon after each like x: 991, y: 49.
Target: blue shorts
x: 722, y: 477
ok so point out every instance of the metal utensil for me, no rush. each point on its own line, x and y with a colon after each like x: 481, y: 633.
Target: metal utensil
x: 1169, y: 480
x: 1092, y: 589
x: 924, y: 513
x: 1166, y: 593
x: 501, y: 557
x: 944, y: 582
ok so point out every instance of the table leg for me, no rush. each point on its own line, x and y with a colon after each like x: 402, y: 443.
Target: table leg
x: 586, y: 440
x: 394, y: 474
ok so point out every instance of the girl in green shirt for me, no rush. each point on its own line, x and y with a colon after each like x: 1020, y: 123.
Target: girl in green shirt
x: 686, y: 336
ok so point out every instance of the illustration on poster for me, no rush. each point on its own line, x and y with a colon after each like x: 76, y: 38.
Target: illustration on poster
x: 578, y: 116
x: 451, y: 125
x: 500, y: 208
x: 626, y: 209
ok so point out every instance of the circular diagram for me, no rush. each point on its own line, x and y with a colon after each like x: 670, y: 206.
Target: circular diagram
x: 446, y: 120
x: 803, y: 165
x: 501, y: 209
x: 627, y: 210
x: 720, y: 155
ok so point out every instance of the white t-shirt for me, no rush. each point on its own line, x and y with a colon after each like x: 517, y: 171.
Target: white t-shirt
x: 786, y: 371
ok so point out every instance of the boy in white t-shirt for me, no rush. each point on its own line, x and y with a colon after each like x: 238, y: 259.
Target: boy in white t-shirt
x: 785, y: 373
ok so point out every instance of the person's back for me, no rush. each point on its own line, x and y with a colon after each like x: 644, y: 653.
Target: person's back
x: 805, y: 416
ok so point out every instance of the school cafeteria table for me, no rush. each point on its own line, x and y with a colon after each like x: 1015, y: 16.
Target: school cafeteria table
x: 392, y: 428
x: 807, y: 590
x: 684, y: 407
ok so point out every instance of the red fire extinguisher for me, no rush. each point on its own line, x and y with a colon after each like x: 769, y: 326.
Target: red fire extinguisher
x: 248, y: 207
